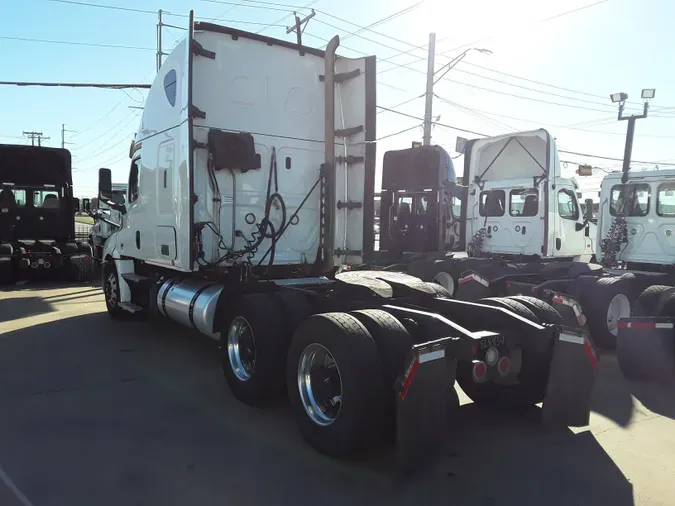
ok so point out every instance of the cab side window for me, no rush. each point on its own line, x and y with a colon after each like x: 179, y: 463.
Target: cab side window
x: 134, y: 180
x: 568, y: 208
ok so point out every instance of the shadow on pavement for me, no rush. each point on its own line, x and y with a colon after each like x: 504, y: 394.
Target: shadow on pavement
x: 22, y: 307
x: 144, y: 415
x: 656, y: 397
x: 611, y: 395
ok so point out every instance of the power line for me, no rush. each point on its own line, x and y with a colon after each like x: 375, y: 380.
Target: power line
x: 485, y: 135
x: 71, y: 43
x: 154, y: 13
x: 454, y: 104
x: 283, y: 18
x: 76, y: 85
x: 399, y: 132
x: 435, y: 122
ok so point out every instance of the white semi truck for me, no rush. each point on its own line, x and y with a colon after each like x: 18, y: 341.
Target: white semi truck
x: 106, y: 220
x: 517, y: 228
x: 251, y: 184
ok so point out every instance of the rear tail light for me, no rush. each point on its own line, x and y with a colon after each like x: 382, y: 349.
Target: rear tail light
x: 479, y: 371
x: 504, y: 366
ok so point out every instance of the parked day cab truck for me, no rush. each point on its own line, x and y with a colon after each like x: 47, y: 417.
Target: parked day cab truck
x: 516, y: 227
x: 251, y: 183
x: 37, y: 217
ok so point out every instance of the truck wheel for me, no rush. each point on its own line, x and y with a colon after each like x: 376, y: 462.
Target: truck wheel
x: 439, y: 290
x: 391, y: 338
x: 512, y: 305
x: 336, y: 385
x: 607, y: 301
x: 111, y: 291
x: 544, y: 312
x: 648, y: 301
x: 253, y: 346
x: 532, y: 378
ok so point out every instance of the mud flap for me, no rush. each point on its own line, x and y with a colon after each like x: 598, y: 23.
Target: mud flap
x: 472, y: 286
x: 81, y: 267
x: 517, y: 288
x: 421, y: 404
x: 5, y: 269
x: 570, y: 309
x: 571, y: 380
x: 645, y: 348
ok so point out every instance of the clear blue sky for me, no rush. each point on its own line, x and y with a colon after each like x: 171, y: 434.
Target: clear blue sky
x: 610, y: 46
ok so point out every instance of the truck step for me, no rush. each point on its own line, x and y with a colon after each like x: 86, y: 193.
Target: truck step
x: 131, y: 307
x: 134, y: 278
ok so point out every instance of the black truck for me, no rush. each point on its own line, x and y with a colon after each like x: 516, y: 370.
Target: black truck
x: 37, y: 225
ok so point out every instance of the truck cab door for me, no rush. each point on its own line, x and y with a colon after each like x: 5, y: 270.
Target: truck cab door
x: 572, y: 237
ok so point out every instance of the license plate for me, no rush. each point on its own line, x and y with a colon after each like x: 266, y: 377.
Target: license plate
x: 491, y: 341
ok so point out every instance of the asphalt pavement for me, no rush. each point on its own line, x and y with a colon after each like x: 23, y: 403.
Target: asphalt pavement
x: 100, y: 412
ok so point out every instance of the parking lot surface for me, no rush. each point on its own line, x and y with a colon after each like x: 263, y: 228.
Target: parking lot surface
x: 101, y: 412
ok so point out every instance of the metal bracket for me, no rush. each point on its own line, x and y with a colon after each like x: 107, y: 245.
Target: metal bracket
x: 349, y: 205
x: 344, y: 76
x: 346, y: 132
x: 349, y: 159
x: 199, y: 50
x: 196, y: 112
x: 348, y: 252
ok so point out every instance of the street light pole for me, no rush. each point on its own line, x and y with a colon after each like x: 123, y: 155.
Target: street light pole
x: 432, y: 80
x: 621, y: 98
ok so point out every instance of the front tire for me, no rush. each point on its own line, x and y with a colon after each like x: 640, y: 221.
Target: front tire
x: 254, y: 346
x: 111, y: 291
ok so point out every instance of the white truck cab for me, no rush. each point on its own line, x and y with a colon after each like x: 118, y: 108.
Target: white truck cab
x: 518, y: 201
x: 647, y: 203
x: 106, y: 219
x: 231, y: 174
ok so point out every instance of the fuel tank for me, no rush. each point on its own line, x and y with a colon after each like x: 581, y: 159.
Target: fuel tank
x: 191, y: 302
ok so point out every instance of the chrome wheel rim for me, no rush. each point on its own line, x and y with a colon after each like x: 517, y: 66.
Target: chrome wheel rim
x: 619, y: 307
x: 111, y: 290
x: 241, y: 350
x: 320, y: 385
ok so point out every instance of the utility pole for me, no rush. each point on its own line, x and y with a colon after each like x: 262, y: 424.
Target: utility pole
x: 621, y: 98
x: 35, y: 135
x: 426, y: 139
x: 160, y: 50
x: 63, y: 136
x: 432, y: 80
x: 300, y: 25
x: 159, y: 40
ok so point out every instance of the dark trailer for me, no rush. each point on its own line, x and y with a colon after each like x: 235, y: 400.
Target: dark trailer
x: 37, y: 208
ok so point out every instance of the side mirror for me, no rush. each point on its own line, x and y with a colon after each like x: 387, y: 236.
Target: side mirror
x: 589, y: 210
x: 86, y: 205
x: 104, y: 182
